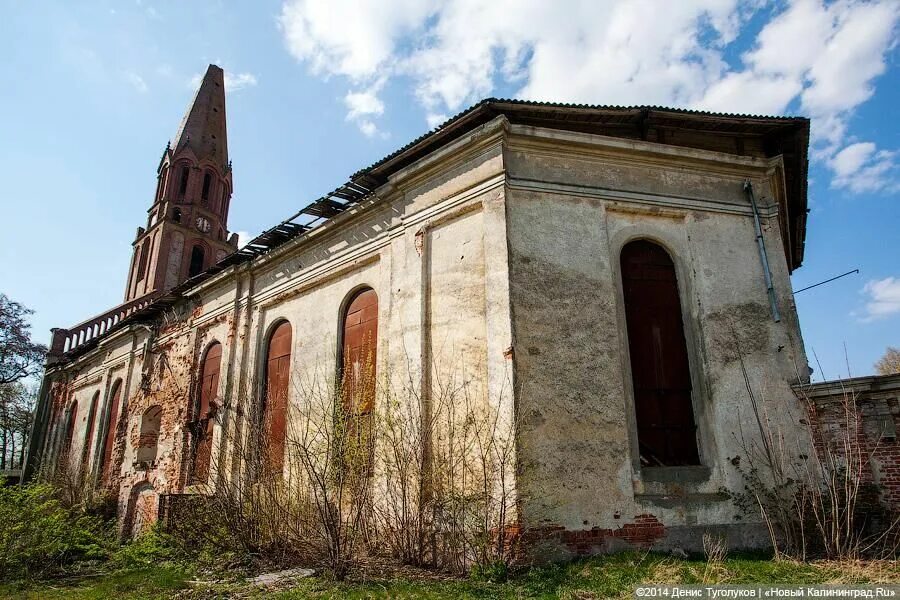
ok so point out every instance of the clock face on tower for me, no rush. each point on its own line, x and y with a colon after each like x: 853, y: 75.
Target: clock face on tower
x: 203, y: 224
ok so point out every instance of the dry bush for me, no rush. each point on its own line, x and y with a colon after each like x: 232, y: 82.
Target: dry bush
x: 715, y: 549
x: 812, y: 490
x: 424, y: 479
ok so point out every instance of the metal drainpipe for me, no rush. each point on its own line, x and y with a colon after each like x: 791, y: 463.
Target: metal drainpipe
x: 770, y: 287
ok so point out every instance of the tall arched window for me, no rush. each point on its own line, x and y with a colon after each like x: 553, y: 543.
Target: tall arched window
x: 206, y: 405
x: 667, y: 434
x: 89, y: 430
x: 274, y: 413
x: 360, y: 337
x: 111, y: 425
x: 198, y: 256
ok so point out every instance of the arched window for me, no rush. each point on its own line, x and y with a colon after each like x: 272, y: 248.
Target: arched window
x: 198, y: 256
x: 89, y: 431
x: 667, y: 434
x: 149, y: 441
x: 111, y: 425
x: 183, y: 181
x: 274, y: 409
x: 360, y: 337
x: 143, y: 251
x: 206, y: 407
x: 70, y: 430
x: 207, y: 183
x: 176, y: 215
x: 161, y: 184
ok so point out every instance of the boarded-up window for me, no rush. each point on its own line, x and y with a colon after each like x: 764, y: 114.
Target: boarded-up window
x: 360, y: 335
x: 274, y: 413
x: 659, y: 359
x: 209, y: 389
x: 110, y: 438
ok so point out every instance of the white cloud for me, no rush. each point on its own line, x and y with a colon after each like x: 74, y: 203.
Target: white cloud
x: 362, y: 106
x: 137, y: 82
x: 883, y: 298
x: 860, y: 167
x: 821, y: 58
x: 234, y: 82
x: 243, y: 238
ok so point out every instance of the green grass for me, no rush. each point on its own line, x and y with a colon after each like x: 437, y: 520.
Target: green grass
x: 141, y: 584
x: 601, y: 577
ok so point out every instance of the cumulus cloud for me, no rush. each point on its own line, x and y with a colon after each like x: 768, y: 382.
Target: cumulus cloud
x: 861, y: 167
x: 137, y: 82
x: 234, y: 82
x: 819, y: 58
x: 362, y: 106
x: 883, y: 298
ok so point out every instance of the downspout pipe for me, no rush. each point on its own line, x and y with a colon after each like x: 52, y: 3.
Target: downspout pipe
x: 763, y: 257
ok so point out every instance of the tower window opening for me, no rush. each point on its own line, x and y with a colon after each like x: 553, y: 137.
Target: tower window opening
x: 176, y: 215
x: 142, y: 261
x: 207, y: 182
x: 197, y: 258
x: 183, y: 182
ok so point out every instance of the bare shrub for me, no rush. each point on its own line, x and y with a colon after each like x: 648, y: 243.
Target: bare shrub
x: 809, y: 488
x: 444, y: 473
x: 715, y: 549
x: 426, y: 479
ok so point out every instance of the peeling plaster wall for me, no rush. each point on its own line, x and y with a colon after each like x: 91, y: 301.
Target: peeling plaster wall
x: 571, y: 209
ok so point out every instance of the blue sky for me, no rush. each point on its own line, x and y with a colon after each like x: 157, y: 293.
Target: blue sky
x: 92, y: 90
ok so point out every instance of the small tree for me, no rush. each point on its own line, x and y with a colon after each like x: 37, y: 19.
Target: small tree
x: 889, y: 364
x: 19, y: 356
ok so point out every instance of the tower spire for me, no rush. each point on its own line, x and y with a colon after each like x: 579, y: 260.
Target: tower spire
x: 187, y: 224
x: 202, y: 129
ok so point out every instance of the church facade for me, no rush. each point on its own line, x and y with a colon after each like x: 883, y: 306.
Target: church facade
x: 610, y: 282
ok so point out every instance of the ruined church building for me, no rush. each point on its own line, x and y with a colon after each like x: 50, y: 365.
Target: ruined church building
x: 603, y: 277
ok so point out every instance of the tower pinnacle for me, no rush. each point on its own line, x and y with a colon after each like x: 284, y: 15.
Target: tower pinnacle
x: 203, y: 127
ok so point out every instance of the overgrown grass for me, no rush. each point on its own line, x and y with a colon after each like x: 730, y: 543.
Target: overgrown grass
x: 613, y: 576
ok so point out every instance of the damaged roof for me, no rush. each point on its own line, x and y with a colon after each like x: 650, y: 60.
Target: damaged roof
x: 748, y: 135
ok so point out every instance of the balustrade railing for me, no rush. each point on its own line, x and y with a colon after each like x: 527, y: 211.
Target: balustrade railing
x: 66, y: 340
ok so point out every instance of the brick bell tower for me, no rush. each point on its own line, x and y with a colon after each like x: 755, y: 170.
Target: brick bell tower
x: 187, y: 223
